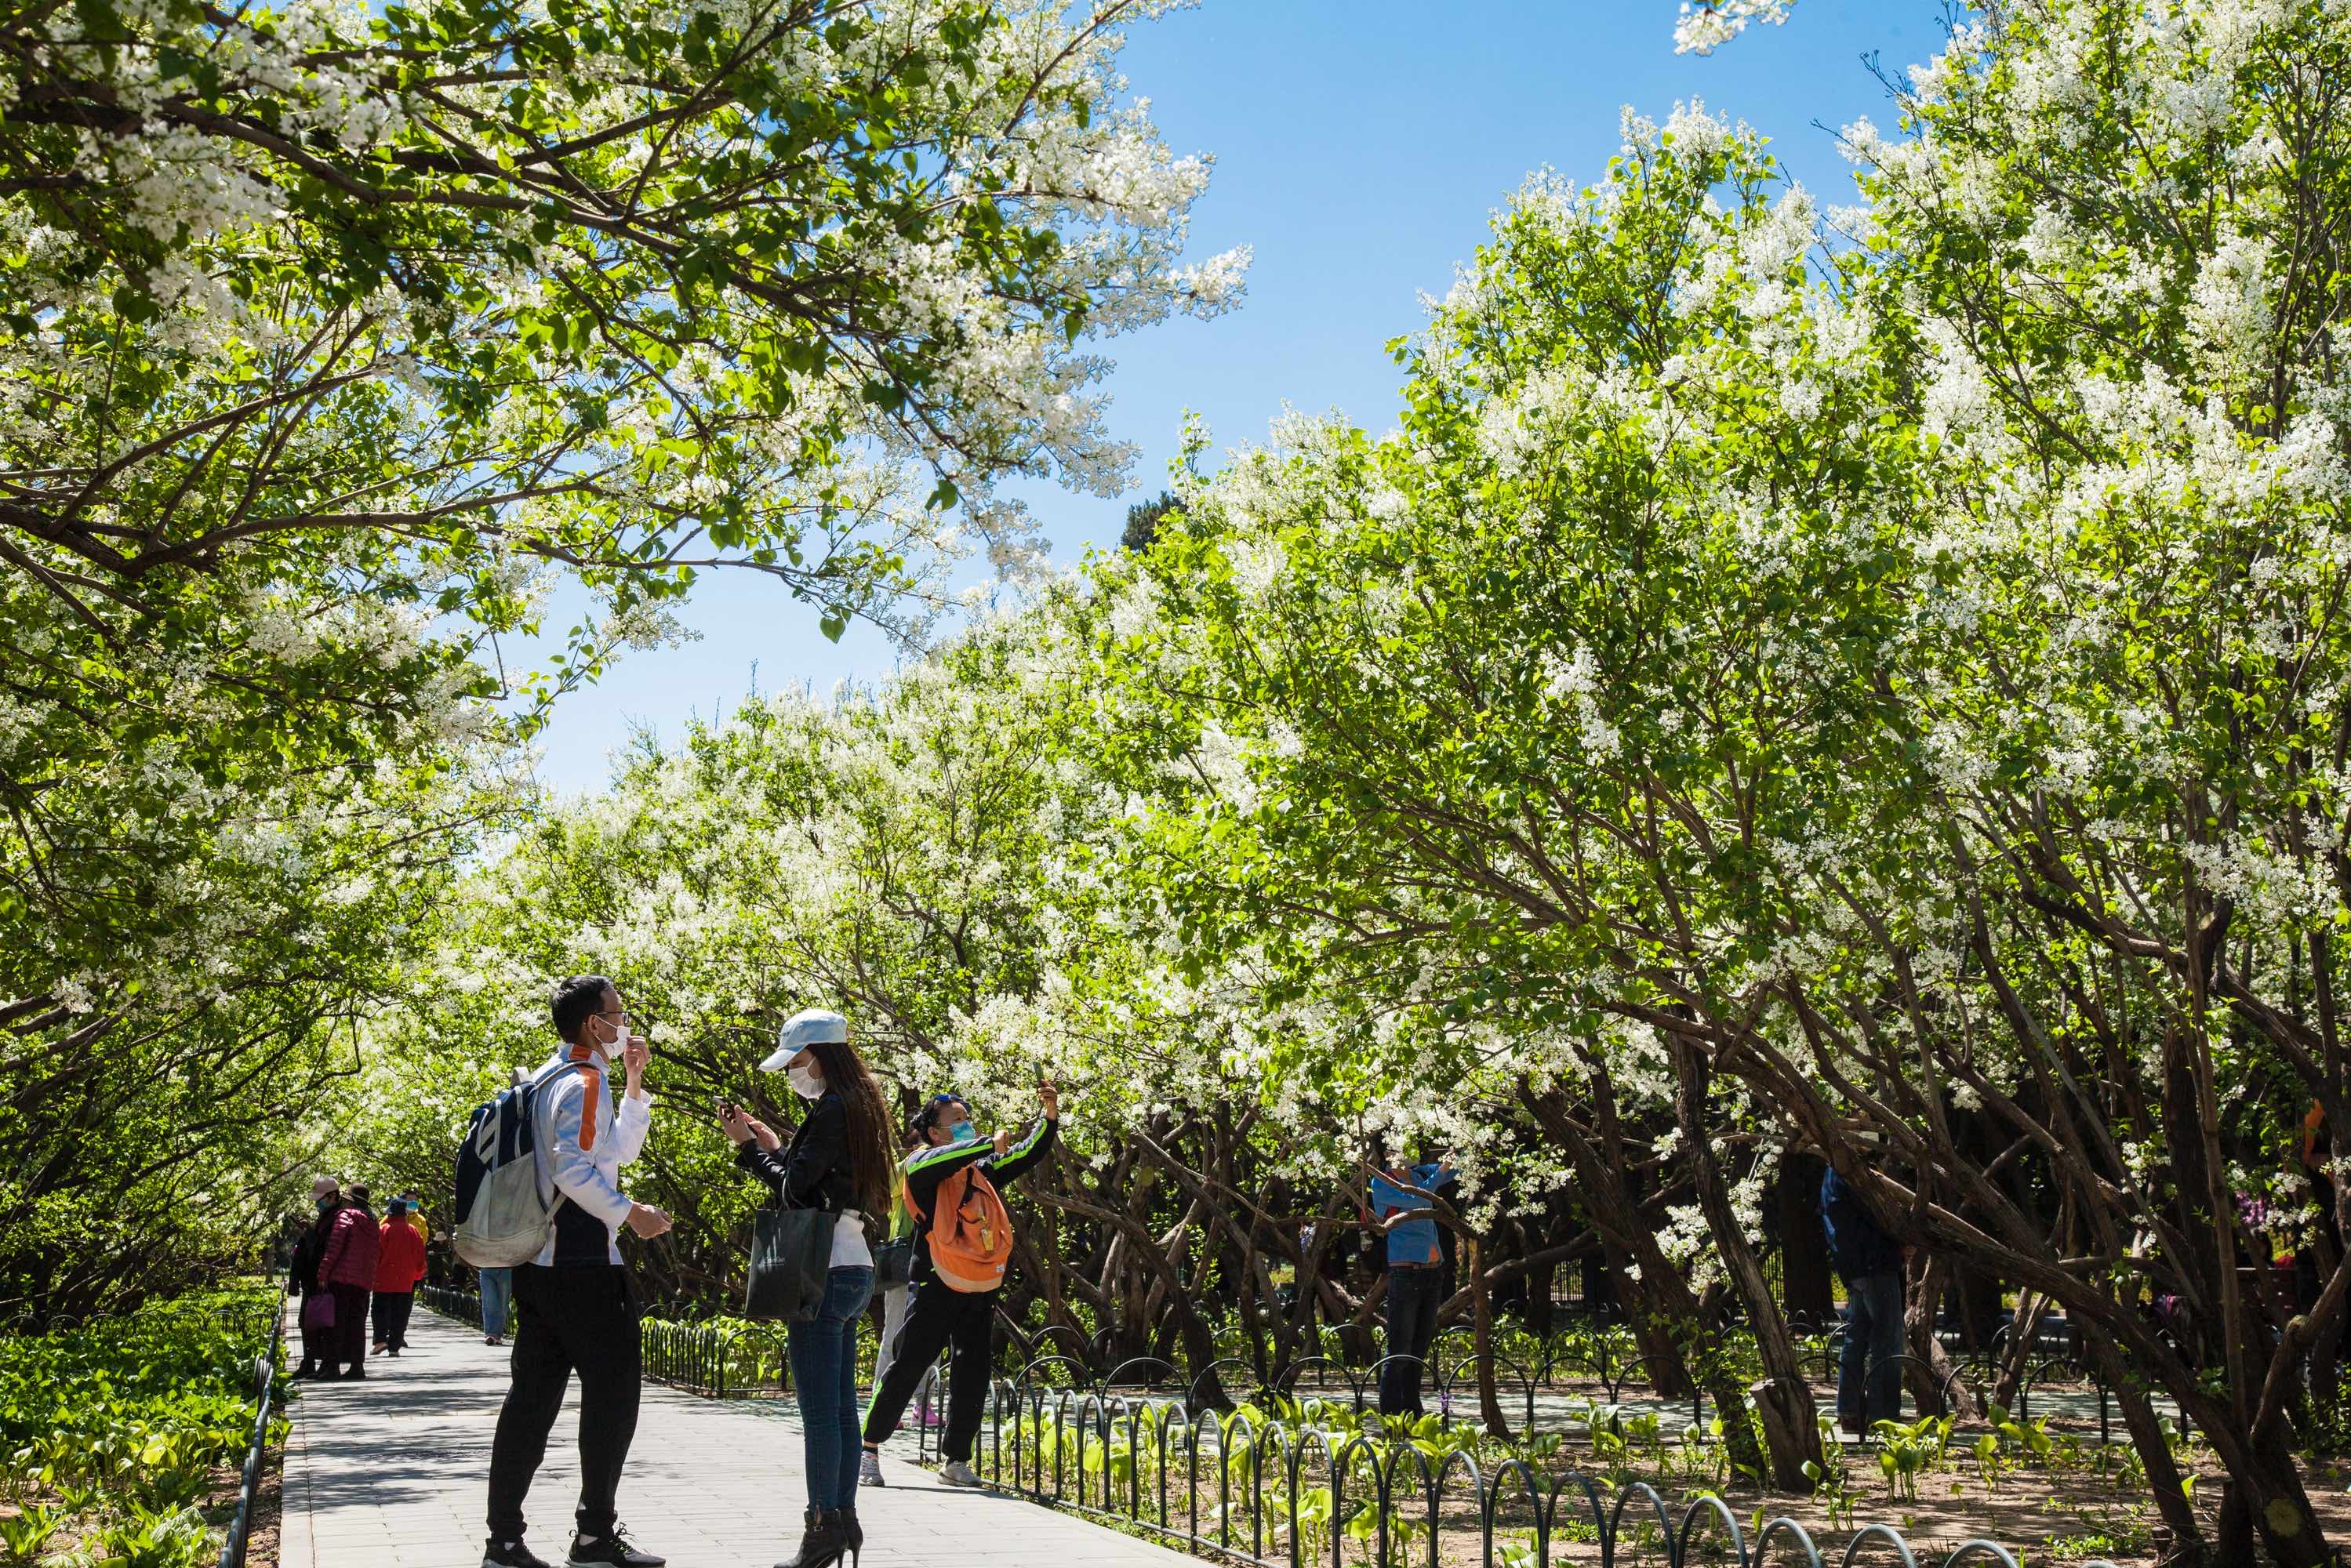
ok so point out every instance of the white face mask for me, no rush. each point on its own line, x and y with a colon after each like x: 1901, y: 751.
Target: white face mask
x: 807, y: 1082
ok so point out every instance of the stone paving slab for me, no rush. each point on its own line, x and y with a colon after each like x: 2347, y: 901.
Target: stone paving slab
x: 391, y: 1472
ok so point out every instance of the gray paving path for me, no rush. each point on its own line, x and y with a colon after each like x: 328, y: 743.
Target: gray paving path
x: 389, y: 1473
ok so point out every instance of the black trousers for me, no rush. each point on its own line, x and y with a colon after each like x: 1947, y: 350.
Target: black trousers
x: 1414, y: 1296
x: 391, y: 1308
x: 579, y: 1318
x: 935, y: 1319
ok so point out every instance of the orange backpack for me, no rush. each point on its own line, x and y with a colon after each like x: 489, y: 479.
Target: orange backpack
x: 971, y: 1234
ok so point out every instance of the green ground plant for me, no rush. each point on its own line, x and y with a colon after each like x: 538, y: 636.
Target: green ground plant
x: 120, y: 1438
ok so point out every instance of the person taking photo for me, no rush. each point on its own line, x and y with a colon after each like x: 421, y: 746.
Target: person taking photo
x: 838, y: 1162
x: 950, y: 1186
x: 1400, y: 1204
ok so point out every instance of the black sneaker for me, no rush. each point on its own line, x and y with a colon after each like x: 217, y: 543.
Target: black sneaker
x: 512, y: 1554
x: 613, y: 1551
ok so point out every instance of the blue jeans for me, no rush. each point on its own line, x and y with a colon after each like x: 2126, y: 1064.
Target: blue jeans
x: 1869, y: 1377
x: 824, y: 1380
x: 497, y: 1290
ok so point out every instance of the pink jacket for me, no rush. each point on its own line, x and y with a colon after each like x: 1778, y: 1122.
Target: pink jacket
x: 350, y: 1257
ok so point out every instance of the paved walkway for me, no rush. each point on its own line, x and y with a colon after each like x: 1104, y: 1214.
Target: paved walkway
x: 390, y: 1473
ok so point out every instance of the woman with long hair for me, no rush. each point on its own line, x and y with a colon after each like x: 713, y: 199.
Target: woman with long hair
x: 839, y: 1160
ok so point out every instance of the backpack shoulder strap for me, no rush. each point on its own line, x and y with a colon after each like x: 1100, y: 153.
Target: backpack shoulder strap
x: 547, y: 1075
x: 939, y: 1194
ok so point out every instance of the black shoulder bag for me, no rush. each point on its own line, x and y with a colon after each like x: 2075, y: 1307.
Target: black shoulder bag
x: 791, y: 1257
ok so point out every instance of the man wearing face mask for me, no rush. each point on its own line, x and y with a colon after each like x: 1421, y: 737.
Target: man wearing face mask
x: 575, y: 1305
x: 939, y: 1316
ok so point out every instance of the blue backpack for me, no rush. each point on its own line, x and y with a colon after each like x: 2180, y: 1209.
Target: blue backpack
x: 502, y: 1220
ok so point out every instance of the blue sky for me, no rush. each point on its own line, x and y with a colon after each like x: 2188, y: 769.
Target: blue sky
x: 1360, y: 146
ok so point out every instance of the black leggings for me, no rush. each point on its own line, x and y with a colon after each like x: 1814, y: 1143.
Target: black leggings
x: 939, y: 1317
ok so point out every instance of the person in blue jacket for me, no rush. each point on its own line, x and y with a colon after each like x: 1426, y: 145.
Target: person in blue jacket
x: 1870, y: 1262
x: 1415, y: 1271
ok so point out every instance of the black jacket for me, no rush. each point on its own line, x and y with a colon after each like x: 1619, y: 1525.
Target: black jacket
x: 1858, y: 1245
x: 302, y: 1272
x: 813, y: 1171
x: 926, y: 1168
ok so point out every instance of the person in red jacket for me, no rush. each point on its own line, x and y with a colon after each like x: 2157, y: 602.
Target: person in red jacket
x: 399, y: 1265
x: 348, y: 1269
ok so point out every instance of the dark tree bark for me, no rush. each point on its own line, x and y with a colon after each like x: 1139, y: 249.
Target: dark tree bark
x: 1783, y: 1398
x: 1666, y: 1316
x: 1928, y: 1373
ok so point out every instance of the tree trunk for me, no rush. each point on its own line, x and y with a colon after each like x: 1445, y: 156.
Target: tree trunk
x: 2163, y: 1477
x: 2016, y: 1358
x: 1783, y: 1398
x: 2326, y: 1342
x: 2263, y: 1497
x: 1662, y: 1311
x: 1978, y: 1296
x: 1482, y: 1317
x: 1199, y: 1340
x: 1927, y: 1381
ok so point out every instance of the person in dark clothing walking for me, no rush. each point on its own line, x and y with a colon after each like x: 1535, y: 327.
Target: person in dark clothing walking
x: 941, y: 1315
x: 1870, y: 1262
x: 839, y: 1162
x: 319, y: 1344
x: 576, y: 1306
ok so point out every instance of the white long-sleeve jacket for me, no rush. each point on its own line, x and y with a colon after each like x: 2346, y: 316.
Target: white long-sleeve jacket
x: 582, y: 1144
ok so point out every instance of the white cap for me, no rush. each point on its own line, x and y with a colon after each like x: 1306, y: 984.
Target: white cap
x: 325, y: 1185
x: 803, y: 1029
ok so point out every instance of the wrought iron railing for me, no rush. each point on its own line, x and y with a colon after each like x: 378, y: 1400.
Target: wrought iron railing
x: 265, y: 1377
x: 1234, y: 1455
x: 1048, y: 1419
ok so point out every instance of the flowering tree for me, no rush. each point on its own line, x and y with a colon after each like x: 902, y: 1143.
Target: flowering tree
x: 328, y: 333
x: 1706, y: 25
x: 634, y: 291
x: 1404, y: 638
x: 1901, y: 680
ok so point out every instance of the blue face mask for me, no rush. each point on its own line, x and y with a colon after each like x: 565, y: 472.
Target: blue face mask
x: 962, y: 1132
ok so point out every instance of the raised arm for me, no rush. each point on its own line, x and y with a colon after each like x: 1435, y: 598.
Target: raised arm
x: 928, y: 1168
x: 1015, y: 1161
x: 821, y: 1149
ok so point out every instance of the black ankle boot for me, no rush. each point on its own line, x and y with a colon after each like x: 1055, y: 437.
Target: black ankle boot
x: 822, y: 1541
x: 852, y: 1532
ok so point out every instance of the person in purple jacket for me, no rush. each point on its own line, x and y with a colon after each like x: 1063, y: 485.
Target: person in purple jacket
x: 346, y: 1268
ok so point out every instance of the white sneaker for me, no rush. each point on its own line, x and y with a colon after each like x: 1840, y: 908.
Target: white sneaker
x: 869, y: 1470
x: 955, y: 1473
